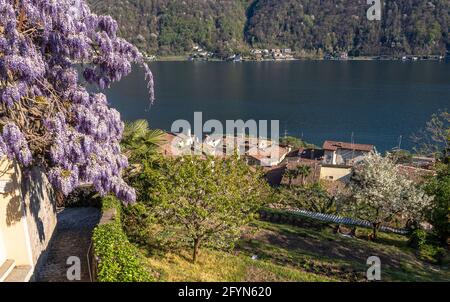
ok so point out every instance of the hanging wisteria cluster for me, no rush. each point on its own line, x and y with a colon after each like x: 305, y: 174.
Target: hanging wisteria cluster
x: 47, y: 117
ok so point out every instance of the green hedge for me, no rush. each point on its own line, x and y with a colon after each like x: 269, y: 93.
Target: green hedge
x: 119, y: 260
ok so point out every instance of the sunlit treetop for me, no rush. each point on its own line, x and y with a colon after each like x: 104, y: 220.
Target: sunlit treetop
x: 49, y: 52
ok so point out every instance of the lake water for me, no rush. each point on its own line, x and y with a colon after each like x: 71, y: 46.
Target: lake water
x: 377, y: 101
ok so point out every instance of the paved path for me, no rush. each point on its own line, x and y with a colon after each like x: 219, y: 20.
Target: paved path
x: 72, y: 238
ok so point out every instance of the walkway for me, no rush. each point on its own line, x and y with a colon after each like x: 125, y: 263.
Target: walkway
x: 72, y: 238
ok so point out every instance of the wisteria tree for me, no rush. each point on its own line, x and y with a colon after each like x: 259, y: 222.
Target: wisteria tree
x: 49, y: 51
x: 379, y: 194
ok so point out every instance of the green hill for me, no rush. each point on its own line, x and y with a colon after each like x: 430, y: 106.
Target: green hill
x: 310, y: 27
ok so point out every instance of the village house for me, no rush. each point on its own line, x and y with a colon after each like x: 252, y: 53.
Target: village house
x: 257, y: 151
x: 184, y: 141
x: 199, y: 53
x: 213, y: 145
x: 308, y: 153
x: 257, y: 54
x: 277, y: 54
x: 415, y: 174
x: 287, y: 53
x: 343, y: 56
x: 266, y: 54
x: 271, y: 156
x: 234, y: 58
x: 340, y: 157
x: 334, y: 173
x: 348, y: 154
x: 322, y: 171
x: 280, y: 54
x: 423, y: 162
x: 177, y: 144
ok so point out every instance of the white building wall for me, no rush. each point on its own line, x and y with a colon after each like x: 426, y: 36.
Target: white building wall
x: 2, y: 249
x: 12, y: 215
x: 27, y: 214
x: 335, y: 173
x: 39, y: 201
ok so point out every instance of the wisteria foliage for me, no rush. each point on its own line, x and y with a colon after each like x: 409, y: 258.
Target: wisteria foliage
x: 49, y: 51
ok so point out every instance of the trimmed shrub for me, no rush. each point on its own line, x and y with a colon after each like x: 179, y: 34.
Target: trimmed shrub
x: 432, y: 254
x: 119, y: 260
x: 417, y: 238
x: 427, y: 247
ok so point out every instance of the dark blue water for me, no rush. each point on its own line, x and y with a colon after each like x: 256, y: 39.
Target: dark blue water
x: 377, y: 101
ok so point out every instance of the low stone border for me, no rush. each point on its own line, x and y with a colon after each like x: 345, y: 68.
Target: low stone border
x: 297, y: 217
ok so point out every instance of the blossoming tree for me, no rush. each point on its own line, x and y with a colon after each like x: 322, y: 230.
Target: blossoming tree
x: 379, y: 193
x: 199, y: 201
x: 49, y: 52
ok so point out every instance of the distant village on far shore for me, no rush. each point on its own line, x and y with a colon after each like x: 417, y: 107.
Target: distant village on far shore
x: 199, y: 53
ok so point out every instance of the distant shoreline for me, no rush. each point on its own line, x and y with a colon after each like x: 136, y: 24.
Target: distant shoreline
x: 186, y: 58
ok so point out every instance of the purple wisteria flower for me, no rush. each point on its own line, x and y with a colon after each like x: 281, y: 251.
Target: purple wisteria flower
x: 14, y: 145
x: 45, y: 47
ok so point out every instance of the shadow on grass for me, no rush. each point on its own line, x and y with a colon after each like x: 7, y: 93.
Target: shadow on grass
x: 324, y: 252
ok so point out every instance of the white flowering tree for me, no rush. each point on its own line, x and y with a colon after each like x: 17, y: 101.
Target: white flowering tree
x: 379, y: 193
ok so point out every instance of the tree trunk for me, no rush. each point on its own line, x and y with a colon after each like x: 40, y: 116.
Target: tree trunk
x: 337, y: 229
x: 375, y: 228
x: 196, y: 248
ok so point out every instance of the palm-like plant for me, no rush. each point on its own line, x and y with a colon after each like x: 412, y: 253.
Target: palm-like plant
x: 139, y: 141
x: 291, y: 175
x: 301, y: 171
x: 304, y: 172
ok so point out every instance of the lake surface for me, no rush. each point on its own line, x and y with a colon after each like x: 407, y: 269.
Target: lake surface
x: 377, y: 101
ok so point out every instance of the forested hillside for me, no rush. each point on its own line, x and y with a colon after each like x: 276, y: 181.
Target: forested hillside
x: 172, y: 26
x: 307, y: 26
x: 407, y: 26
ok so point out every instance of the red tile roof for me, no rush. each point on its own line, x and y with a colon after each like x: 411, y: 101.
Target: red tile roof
x: 333, y: 146
x: 417, y: 175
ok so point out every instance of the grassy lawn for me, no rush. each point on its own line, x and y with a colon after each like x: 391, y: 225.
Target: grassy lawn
x: 214, y: 266
x: 322, y: 252
x: 172, y: 58
x: 289, y: 253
